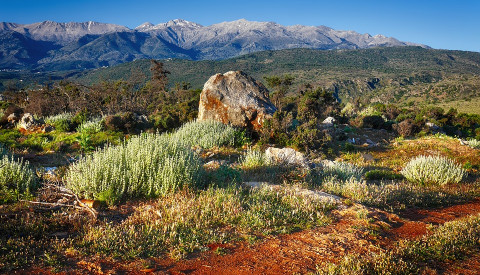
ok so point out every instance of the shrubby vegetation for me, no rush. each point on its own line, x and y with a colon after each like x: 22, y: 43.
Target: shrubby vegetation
x: 433, y: 170
x: 16, y: 178
x: 254, y: 158
x: 179, y: 223
x: 451, y: 241
x: 208, y: 134
x: 148, y: 165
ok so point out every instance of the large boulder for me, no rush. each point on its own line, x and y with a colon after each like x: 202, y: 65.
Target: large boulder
x: 236, y: 99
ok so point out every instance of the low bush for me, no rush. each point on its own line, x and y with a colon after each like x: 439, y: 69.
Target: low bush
x: 92, y: 126
x: 254, y: 159
x: 342, y: 170
x: 181, y: 222
x: 374, y: 121
x: 432, y: 170
x: 451, y: 241
x: 148, y: 165
x: 208, y: 134
x: 16, y: 179
x: 395, y: 196
x: 475, y: 144
x: 406, y: 128
x: 61, y: 122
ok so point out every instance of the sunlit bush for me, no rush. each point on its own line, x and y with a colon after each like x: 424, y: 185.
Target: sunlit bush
x: 16, y: 179
x: 343, y: 170
x: 207, y: 134
x: 91, y: 126
x: 148, y: 165
x: 426, y: 170
x: 254, y: 159
x: 475, y: 144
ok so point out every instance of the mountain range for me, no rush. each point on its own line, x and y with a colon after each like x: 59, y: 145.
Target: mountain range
x: 64, y: 46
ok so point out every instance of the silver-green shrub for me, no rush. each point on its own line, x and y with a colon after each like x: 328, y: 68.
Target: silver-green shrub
x: 435, y: 170
x: 55, y: 118
x: 91, y: 126
x: 206, y: 134
x: 148, y: 165
x: 475, y: 144
x: 343, y: 170
x: 16, y: 178
x: 254, y: 159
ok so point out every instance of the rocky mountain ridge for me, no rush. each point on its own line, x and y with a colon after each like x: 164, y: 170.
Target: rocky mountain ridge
x: 51, y: 45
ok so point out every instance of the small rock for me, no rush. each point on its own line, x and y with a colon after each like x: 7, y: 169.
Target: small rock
x: 329, y: 121
x: 287, y: 156
x: 28, y: 122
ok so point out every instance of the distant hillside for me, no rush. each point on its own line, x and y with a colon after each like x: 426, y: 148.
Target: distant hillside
x: 53, y: 46
x: 384, y: 74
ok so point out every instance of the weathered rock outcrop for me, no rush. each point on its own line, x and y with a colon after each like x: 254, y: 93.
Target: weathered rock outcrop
x: 236, y: 99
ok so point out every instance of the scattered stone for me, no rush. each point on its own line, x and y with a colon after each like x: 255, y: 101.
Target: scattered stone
x: 13, y: 118
x: 286, y: 156
x: 214, y: 163
x: 47, y: 128
x: 329, y: 121
x: 316, y: 195
x: 29, y: 123
x: 236, y: 99
x: 433, y: 128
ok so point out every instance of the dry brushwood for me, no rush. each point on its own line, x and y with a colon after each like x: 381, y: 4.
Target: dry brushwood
x: 54, y: 196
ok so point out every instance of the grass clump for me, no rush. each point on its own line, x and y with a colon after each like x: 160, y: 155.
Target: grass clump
x: 452, y: 241
x: 432, y: 170
x: 148, y: 165
x: 475, y: 144
x: 254, y: 159
x: 182, y: 222
x: 342, y: 170
x: 16, y: 179
x: 92, y: 126
x: 208, y: 134
x: 397, y: 196
x: 62, y: 122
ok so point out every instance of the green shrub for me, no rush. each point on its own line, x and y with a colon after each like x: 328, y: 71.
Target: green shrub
x: 254, y: 159
x: 16, y: 179
x: 342, y: 170
x: 208, y: 134
x: 395, y: 196
x: 61, y: 122
x: 92, y: 126
x: 426, y: 170
x: 475, y: 144
x: 148, y: 165
x: 182, y: 222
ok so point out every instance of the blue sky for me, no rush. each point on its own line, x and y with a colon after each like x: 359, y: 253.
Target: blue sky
x: 441, y: 24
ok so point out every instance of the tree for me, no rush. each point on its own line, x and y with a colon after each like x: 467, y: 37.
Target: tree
x: 280, y: 85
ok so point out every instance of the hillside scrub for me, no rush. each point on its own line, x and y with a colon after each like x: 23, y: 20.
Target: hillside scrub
x: 16, y: 179
x: 208, y: 133
x: 182, y: 222
x: 148, y: 165
x: 432, y: 170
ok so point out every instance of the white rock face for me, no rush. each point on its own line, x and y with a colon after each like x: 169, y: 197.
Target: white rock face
x: 286, y: 156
